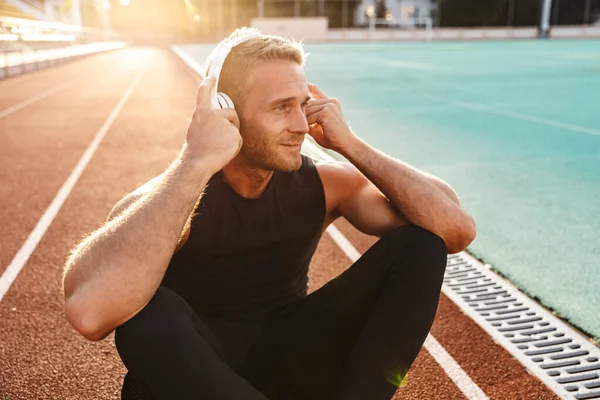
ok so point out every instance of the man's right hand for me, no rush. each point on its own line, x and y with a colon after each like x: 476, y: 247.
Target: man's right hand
x: 213, y: 137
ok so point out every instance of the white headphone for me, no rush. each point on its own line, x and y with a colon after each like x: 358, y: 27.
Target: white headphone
x: 220, y: 99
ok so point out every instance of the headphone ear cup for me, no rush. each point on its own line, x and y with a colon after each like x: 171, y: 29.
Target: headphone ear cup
x: 224, y: 100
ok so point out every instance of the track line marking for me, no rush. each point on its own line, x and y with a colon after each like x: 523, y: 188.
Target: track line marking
x: 441, y: 356
x: 453, y: 370
x: 343, y: 242
x: 526, y: 117
x: 413, y: 65
x: 17, y: 263
x: 514, y: 115
x: 189, y: 60
x: 34, y: 99
x: 463, y: 381
x: 542, y: 82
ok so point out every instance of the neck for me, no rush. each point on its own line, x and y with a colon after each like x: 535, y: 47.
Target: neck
x: 247, y: 181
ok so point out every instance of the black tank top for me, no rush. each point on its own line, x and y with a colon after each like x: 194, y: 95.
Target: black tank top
x: 247, y: 257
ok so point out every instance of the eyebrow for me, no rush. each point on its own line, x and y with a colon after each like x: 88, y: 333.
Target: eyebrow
x: 287, y: 99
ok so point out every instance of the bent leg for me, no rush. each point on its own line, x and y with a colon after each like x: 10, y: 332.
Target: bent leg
x: 404, y: 311
x: 358, y: 335
x: 173, y: 353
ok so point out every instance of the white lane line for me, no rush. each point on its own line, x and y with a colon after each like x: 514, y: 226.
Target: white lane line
x: 453, y: 370
x: 512, y: 114
x: 189, y: 60
x: 543, y: 82
x: 343, y: 242
x: 441, y: 356
x: 413, y: 65
x: 17, y: 263
x: 41, y: 96
x: 526, y: 117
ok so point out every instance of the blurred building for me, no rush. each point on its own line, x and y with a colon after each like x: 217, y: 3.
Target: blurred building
x: 395, y: 10
x: 515, y: 12
x: 340, y: 13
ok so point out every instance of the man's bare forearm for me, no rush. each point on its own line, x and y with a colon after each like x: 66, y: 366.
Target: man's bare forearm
x: 420, y: 198
x: 114, y: 272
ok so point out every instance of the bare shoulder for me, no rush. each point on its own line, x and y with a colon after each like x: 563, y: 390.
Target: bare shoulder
x: 130, y: 198
x: 340, y: 179
x: 336, y: 174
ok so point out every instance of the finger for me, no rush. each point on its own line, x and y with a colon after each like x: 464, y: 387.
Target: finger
x: 230, y: 115
x: 315, y: 118
x: 313, y: 109
x: 316, y: 102
x: 325, y: 107
x: 204, y: 97
x: 316, y: 92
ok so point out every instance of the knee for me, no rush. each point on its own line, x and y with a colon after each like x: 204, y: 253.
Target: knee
x: 417, y: 254
x: 413, y: 240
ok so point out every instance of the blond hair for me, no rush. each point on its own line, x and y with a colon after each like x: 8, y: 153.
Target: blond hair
x: 242, y: 58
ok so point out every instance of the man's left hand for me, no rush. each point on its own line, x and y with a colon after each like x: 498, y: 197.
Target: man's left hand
x: 326, y: 121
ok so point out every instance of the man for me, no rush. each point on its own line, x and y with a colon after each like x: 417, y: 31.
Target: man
x: 202, y: 272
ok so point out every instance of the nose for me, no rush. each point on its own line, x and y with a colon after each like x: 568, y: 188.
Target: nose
x: 299, y: 124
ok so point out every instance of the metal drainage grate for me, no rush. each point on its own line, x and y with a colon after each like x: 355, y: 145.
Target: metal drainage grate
x: 554, y: 352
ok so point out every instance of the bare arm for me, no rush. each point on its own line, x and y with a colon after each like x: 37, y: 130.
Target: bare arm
x: 419, y: 197
x: 115, y: 271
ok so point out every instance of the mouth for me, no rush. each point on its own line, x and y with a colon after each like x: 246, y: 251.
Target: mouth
x: 293, y: 146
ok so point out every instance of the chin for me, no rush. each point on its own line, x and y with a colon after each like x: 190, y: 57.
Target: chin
x: 289, y: 163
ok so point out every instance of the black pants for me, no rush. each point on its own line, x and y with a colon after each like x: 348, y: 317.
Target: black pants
x: 354, y: 338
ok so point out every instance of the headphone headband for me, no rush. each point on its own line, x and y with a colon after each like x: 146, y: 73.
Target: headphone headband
x: 218, y: 59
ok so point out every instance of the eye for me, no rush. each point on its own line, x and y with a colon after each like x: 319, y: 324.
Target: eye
x: 282, y: 107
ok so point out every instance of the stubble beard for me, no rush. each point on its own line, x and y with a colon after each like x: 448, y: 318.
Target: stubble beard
x: 271, y: 157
